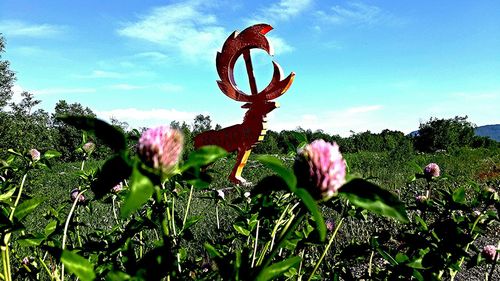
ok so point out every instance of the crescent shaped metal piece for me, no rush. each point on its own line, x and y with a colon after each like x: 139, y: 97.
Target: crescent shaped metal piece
x: 235, y: 45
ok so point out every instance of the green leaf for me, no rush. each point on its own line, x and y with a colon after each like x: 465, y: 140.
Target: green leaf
x: 110, y: 135
x: 112, y: 172
x: 369, y: 196
x: 387, y: 256
x: 277, y: 269
x: 31, y: 241
x: 191, y: 221
x: 141, y: 189
x: 212, y: 251
x: 311, y: 205
x: 50, y: 228
x: 51, y: 154
x: 13, y: 152
x: 400, y: 257
x: 7, y: 195
x: 78, y: 265
x: 27, y: 207
x: 277, y: 166
x: 421, y: 222
x: 241, y: 230
x: 459, y: 195
x: 203, y: 156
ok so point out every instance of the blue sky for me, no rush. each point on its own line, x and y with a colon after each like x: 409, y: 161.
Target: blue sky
x: 360, y: 65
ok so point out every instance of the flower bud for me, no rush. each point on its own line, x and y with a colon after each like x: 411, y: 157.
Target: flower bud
x: 421, y: 198
x: 117, y: 188
x: 88, y: 147
x: 489, y: 252
x: 161, y: 148
x: 74, y: 193
x: 431, y: 171
x: 35, y: 154
x: 330, y: 224
x: 320, y: 168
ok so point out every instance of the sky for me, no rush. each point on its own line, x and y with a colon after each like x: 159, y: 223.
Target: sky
x: 359, y: 65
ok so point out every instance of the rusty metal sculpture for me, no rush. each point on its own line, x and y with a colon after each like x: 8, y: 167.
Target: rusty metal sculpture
x: 243, y: 137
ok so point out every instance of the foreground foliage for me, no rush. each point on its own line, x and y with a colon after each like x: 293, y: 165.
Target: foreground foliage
x: 128, y: 221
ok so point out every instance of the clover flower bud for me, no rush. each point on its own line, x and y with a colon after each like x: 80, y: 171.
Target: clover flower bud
x: 161, y: 148
x: 330, y: 224
x: 117, y: 188
x: 88, y: 147
x: 431, y: 171
x: 421, y: 198
x: 35, y: 154
x: 320, y: 168
x: 74, y: 193
x: 490, y: 252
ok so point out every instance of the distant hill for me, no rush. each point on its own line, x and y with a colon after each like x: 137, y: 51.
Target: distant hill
x: 491, y: 131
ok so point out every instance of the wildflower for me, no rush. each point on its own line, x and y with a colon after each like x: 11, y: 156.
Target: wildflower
x: 35, y: 154
x: 421, y: 198
x: 25, y: 261
x: 74, y: 193
x: 220, y: 193
x: 117, y: 188
x: 330, y: 224
x: 161, y: 147
x: 88, y: 147
x: 490, y: 252
x: 477, y: 213
x: 431, y: 171
x: 320, y: 168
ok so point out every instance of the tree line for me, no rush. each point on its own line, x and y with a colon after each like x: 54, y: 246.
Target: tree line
x: 23, y: 127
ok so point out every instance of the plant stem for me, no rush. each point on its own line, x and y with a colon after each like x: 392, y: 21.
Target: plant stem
x: 217, y: 214
x: 187, y: 207
x: 327, y: 248
x: 288, y: 230
x: 255, y: 244
x: 66, y: 225
x: 5, y: 248
x: 370, y: 264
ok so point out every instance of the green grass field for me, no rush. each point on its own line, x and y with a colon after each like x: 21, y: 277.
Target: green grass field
x: 463, y: 168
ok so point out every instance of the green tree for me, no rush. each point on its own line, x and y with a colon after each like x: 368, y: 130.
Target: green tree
x: 444, y: 134
x: 7, y: 77
x: 201, y: 124
x: 23, y: 128
x: 68, y: 137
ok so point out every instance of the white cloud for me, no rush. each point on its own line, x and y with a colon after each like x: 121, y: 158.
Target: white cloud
x: 362, y: 109
x: 283, y: 10
x: 16, y: 97
x: 147, y: 118
x: 357, y: 119
x: 14, y: 28
x: 188, y: 29
x: 185, y: 27
x: 125, y: 87
x: 51, y: 91
x: 164, y: 87
x: 157, y: 56
x: 355, y: 13
x: 279, y: 45
x: 102, y: 74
